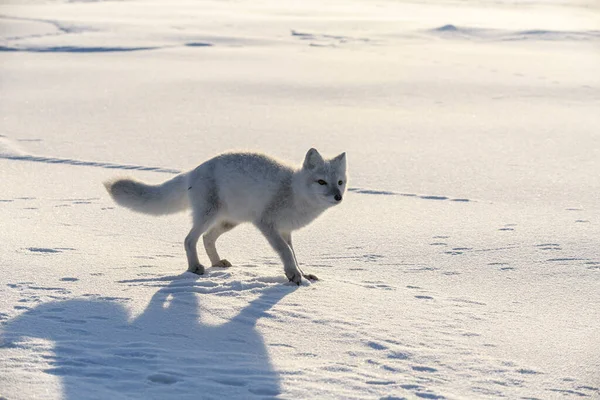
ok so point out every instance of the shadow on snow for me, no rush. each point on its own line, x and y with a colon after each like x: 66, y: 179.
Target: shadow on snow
x: 166, y: 352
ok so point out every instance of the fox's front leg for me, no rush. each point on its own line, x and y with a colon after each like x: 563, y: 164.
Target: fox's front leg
x: 279, y: 244
x: 288, y: 239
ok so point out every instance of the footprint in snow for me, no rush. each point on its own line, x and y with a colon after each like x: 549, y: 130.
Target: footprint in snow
x: 427, y: 395
x: 548, y: 246
x: 163, y: 379
x: 423, y: 368
x: 43, y: 250
x: 592, y: 264
x: 264, y: 391
x: 380, y: 382
x: 508, y: 227
x: 526, y: 371
x: 424, y: 297
x: 396, y: 355
x: 376, y: 346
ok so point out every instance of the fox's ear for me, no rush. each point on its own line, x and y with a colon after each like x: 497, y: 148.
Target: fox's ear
x: 340, y: 161
x: 313, y: 159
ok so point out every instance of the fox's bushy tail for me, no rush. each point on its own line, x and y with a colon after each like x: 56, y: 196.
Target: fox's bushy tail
x: 166, y: 198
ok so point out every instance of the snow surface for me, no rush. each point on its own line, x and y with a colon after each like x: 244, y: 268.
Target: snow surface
x: 463, y: 263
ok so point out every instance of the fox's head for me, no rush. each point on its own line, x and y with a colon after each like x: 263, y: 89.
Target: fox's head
x: 325, y: 179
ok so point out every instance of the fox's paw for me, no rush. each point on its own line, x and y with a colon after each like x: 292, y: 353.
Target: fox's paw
x: 310, y: 277
x: 294, y: 276
x: 196, y: 269
x: 222, y: 264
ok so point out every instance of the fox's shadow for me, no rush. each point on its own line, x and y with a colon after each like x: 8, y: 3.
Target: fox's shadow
x: 166, y: 352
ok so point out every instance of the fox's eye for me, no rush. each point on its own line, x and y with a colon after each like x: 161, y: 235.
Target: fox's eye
x: 321, y: 182
x: 340, y: 183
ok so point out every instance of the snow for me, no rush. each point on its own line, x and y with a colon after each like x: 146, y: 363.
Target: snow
x: 462, y: 263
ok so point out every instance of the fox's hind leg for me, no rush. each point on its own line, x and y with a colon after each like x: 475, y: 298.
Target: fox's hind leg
x: 191, y: 240
x: 210, y: 239
x: 204, y: 217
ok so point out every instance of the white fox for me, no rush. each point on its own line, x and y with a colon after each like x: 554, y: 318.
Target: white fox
x: 232, y: 188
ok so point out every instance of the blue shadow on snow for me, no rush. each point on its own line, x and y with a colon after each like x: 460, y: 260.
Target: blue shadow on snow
x: 165, y: 353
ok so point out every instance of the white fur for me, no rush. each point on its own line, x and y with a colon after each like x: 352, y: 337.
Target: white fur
x: 166, y: 198
x: 234, y: 188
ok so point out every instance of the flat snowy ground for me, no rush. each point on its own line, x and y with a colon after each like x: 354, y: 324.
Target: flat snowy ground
x: 464, y: 262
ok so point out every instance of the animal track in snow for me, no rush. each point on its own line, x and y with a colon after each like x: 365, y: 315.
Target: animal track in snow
x: 48, y: 250
x: 548, y: 246
x: 163, y: 379
x: 369, y: 257
x: 56, y: 28
x: 424, y: 297
x: 419, y: 196
x: 592, y: 264
x: 565, y: 259
x: 212, y: 282
x: 33, y: 293
x: 42, y: 250
x: 380, y: 382
x: 19, y: 156
x: 326, y: 40
x: 421, y: 368
x: 376, y: 285
x: 396, y: 355
x: 264, y: 391
x: 376, y: 346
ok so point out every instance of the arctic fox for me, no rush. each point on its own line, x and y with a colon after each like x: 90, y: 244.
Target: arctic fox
x: 232, y: 188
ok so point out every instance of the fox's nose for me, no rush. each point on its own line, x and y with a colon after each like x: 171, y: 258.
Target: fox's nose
x: 338, y: 197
